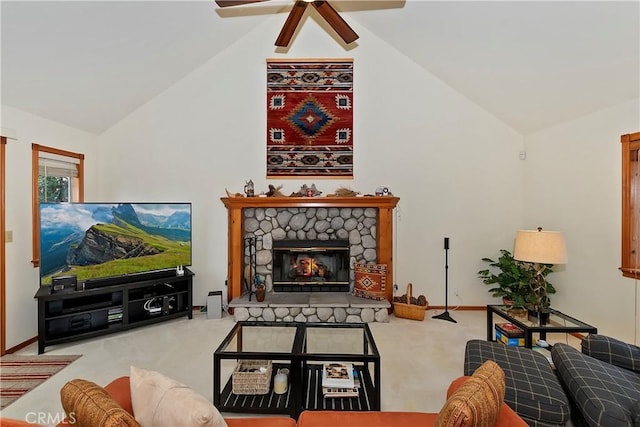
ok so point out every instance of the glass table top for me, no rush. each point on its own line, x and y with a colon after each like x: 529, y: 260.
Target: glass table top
x: 556, y: 318
x: 299, y: 338
x: 259, y: 339
x: 354, y: 340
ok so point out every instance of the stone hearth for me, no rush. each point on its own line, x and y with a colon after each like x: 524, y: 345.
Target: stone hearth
x: 310, y: 307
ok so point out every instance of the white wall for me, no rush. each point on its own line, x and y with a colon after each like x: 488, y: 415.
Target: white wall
x: 454, y: 167
x: 22, y: 278
x: 573, y: 176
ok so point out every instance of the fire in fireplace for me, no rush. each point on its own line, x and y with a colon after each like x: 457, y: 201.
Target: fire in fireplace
x: 311, y: 266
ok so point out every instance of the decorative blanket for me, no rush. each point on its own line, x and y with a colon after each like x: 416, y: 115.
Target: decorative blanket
x: 310, y: 118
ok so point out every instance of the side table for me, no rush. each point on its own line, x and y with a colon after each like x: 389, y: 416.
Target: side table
x: 558, y: 323
x: 302, y: 348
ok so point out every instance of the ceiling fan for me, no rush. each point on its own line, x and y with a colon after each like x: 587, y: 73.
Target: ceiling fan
x: 325, y: 10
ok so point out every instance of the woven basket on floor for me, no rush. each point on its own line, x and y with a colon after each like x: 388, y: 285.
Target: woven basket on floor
x: 247, y: 378
x: 408, y: 310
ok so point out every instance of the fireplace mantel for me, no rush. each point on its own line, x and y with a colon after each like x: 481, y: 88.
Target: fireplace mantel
x: 235, y: 205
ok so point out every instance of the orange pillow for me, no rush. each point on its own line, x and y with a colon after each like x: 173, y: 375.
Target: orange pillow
x: 478, y: 401
x: 88, y: 404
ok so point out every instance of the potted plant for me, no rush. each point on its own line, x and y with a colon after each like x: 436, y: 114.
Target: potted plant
x: 512, y: 281
x: 538, y: 301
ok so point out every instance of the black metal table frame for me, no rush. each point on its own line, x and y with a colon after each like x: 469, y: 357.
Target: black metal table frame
x: 543, y: 330
x: 299, y: 360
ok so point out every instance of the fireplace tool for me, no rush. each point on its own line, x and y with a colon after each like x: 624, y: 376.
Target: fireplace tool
x: 250, y: 250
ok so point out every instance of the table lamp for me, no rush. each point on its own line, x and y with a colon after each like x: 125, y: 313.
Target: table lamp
x: 539, y: 249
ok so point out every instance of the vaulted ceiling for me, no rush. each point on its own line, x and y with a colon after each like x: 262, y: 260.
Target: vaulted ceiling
x: 533, y: 64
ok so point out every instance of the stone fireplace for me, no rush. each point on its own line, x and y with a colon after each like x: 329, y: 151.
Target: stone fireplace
x: 292, y: 239
x: 282, y: 236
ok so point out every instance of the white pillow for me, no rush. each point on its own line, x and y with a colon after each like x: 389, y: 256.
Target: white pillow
x: 159, y: 401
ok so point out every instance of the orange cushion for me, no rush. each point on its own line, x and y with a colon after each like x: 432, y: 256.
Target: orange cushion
x: 89, y: 405
x: 507, y: 417
x: 261, y: 422
x: 477, y: 401
x: 120, y: 390
x: 364, y: 419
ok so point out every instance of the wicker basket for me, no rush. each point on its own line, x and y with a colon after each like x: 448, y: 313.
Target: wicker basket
x: 247, y: 378
x: 409, y: 311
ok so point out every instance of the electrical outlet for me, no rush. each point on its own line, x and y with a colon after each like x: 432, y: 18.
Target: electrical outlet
x: 8, y: 236
x: 455, y: 292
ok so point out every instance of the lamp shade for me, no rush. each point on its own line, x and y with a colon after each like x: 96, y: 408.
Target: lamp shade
x: 543, y: 247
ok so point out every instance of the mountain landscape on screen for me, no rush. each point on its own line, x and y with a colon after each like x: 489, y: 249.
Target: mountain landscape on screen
x: 99, y: 240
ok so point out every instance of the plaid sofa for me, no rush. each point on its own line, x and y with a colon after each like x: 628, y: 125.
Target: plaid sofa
x: 532, y: 388
x: 603, y: 382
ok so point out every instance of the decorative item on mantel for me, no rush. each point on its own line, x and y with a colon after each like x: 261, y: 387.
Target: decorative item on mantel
x: 306, y: 191
x: 344, y: 192
x: 383, y: 191
x: 274, y: 191
x: 248, y: 188
x: 229, y: 194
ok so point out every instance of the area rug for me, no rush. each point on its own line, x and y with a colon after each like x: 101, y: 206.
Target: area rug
x: 309, y: 118
x: 21, y: 374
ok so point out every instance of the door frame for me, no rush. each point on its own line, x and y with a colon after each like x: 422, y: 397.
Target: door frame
x: 3, y: 299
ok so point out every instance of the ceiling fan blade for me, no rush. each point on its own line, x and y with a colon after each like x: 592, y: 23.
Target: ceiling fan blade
x: 291, y: 23
x: 336, y: 22
x: 226, y: 3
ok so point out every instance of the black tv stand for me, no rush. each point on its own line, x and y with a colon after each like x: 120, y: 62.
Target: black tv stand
x: 122, y: 304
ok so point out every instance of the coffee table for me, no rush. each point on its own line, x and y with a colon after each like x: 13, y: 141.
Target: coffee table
x: 558, y: 323
x: 302, y: 348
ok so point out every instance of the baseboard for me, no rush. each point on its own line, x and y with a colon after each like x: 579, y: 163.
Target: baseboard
x: 21, y: 345
x: 460, y: 308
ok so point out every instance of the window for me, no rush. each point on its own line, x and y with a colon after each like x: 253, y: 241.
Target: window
x: 58, y: 176
x: 630, y: 205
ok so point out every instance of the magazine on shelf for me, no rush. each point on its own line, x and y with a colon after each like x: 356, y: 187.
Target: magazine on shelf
x: 338, y: 375
x: 356, y: 378
x: 339, y: 392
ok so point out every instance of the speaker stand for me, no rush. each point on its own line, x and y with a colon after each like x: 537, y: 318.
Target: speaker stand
x: 446, y: 315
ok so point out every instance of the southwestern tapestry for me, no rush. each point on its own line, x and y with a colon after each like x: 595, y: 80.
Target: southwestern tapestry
x: 310, y: 118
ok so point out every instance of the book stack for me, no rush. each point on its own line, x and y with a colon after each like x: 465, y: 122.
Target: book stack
x: 509, y: 334
x: 114, y: 315
x: 339, y: 380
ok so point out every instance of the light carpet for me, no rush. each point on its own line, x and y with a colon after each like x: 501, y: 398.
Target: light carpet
x: 419, y: 359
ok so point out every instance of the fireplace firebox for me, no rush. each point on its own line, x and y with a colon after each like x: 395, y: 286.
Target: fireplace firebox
x: 311, y: 266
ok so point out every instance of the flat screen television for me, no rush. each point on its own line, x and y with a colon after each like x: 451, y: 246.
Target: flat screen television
x: 96, y: 241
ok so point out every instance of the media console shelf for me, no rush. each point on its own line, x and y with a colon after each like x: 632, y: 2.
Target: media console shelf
x: 127, y: 303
